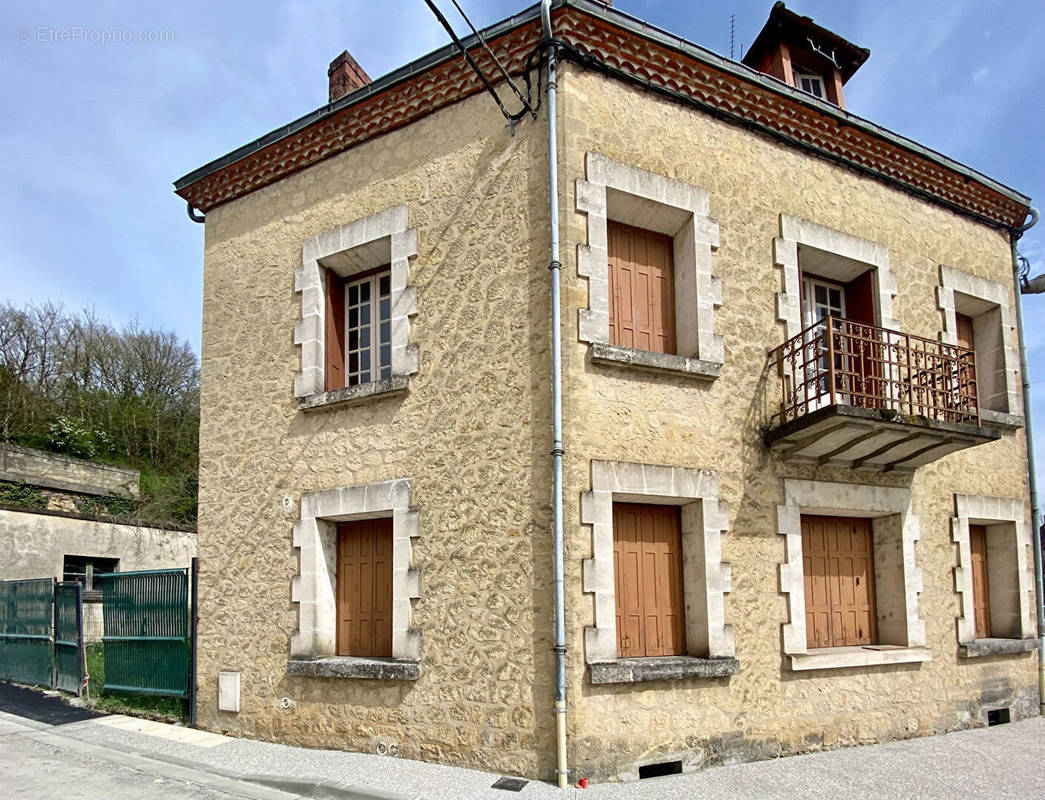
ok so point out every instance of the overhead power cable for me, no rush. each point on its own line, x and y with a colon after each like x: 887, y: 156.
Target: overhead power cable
x: 512, y: 118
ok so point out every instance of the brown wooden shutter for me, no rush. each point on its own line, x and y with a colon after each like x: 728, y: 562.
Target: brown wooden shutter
x: 980, y: 590
x: 838, y: 562
x: 641, y: 289
x: 334, y: 368
x: 966, y: 339
x: 364, y: 588
x: 859, y: 299
x: 647, y: 559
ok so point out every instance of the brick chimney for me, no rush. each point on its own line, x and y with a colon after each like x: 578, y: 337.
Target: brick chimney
x: 345, y: 76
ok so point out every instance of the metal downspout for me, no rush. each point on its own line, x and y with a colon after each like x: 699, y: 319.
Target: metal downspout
x: 1014, y: 236
x: 561, y: 771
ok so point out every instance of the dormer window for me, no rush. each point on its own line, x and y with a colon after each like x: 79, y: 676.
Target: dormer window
x: 798, y: 52
x: 808, y: 82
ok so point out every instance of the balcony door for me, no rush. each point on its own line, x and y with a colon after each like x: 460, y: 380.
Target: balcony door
x: 852, y: 337
x: 820, y: 299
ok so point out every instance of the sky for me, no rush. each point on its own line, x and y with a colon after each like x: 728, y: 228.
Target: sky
x: 106, y: 103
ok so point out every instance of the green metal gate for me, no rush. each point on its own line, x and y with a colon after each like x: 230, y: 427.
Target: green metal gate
x: 68, y: 638
x: 147, y: 638
x: 26, y: 648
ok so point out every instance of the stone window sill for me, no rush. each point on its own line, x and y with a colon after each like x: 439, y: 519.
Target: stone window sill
x: 664, y: 363
x: 871, y: 655
x: 379, y: 669
x: 354, y: 394
x: 639, y: 670
x: 999, y: 419
x: 996, y: 647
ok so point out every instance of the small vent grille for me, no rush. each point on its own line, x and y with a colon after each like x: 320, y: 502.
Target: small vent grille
x: 661, y: 769
x: 998, y: 716
x: 510, y: 784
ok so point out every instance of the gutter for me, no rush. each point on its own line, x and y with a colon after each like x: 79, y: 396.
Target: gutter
x: 561, y: 770
x: 1032, y: 482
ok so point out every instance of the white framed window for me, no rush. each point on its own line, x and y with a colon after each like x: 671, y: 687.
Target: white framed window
x: 368, y: 329
x: 810, y: 83
x: 822, y: 299
x: 372, y: 254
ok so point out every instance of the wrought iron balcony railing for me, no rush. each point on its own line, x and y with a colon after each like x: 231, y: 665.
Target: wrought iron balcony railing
x: 840, y: 362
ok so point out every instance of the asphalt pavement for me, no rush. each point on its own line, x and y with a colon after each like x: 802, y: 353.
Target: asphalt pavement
x: 46, y: 751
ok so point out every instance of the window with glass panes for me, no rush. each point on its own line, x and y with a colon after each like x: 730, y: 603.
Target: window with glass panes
x: 808, y: 82
x: 368, y: 329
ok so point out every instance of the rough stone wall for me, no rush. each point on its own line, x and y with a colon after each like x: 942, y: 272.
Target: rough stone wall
x: 33, y: 545
x: 616, y: 414
x: 472, y: 434
x: 38, y: 468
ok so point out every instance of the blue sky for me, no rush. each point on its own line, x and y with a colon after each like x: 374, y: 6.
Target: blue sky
x: 95, y: 130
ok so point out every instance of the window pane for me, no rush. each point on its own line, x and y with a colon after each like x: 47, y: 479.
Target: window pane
x: 353, y: 362
x: 353, y: 294
x: 353, y: 317
x: 364, y: 315
x: 386, y: 355
x: 364, y: 360
x: 386, y: 284
x: 353, y: 339
x: 386, y: 332
x: 386, y: 373
x: 364, y: 337
x: 386, y: 308
x: 364, y: 292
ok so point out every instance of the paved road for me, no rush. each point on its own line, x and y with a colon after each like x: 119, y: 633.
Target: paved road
x: 56, y: 753
x: 36, y: 770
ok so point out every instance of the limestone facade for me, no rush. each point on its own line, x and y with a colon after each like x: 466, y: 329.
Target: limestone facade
x: 462, y: 448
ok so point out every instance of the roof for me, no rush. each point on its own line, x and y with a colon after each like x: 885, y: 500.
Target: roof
x: 626, y: 48
x: 784, y: 24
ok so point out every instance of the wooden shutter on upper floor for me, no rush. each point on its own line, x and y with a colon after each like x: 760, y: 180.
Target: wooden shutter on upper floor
x: 838, y: 562
x: 334, y: 336
x: 966, y: 339
x: 647, y: 560
x: 980, y: 589
x: 364, y: 588
x: 641, y: 289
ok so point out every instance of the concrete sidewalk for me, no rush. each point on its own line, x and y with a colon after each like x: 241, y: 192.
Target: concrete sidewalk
x: 1001, y: 762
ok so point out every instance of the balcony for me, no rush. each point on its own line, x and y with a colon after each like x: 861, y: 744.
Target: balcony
x: 869, y: 398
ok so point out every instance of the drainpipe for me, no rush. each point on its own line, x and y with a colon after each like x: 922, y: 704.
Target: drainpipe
x: 561, y: 771
x: 1014, y: 236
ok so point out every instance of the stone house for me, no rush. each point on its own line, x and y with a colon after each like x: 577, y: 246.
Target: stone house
x: 795, y: 495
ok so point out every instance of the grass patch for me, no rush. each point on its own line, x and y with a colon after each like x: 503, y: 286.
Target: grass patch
x: 166, y: 709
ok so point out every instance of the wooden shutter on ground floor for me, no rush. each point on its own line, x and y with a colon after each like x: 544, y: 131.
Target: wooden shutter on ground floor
x: 980, y: 589
x: 364, y: 588
x: 334, y: 335
x: 838, y: 562
x: 642, y: 289
x: 647, y: 558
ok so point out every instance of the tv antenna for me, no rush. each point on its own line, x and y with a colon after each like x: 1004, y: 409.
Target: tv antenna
x: 732, y: 35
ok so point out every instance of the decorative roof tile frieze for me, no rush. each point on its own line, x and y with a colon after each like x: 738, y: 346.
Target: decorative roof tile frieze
x: 604, y: 39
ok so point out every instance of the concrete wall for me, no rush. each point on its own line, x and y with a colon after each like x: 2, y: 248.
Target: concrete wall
x: 55, y: 471
x: 471, y: 435
x: 33, y: 545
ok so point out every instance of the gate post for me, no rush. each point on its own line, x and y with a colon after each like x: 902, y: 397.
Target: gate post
x: 194, y: 593
x: 81, y: 652
x: 54, y: 633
